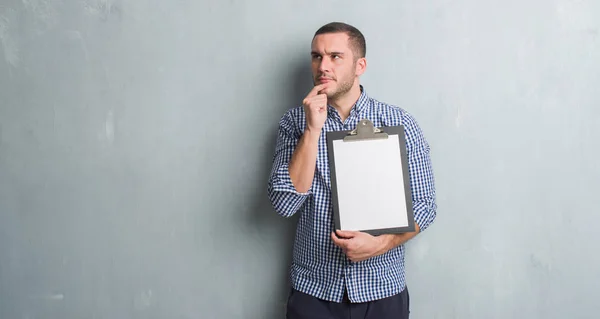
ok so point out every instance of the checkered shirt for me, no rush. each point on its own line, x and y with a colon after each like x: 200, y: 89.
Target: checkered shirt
x: 320, y: 268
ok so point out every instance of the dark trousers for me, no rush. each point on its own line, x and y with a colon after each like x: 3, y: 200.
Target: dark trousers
x: 303, y: 306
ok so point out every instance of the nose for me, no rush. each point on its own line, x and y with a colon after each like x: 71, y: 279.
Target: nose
x: 324, y: 65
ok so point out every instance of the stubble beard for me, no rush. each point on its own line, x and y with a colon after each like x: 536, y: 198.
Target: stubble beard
x: 343, y: 87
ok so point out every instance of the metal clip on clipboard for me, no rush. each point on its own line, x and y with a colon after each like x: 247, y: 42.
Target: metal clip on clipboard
x: 365, y: 130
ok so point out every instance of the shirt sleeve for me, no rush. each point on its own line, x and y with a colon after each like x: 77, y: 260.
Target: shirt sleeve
x: 422, y: 182
x: 284, y: 197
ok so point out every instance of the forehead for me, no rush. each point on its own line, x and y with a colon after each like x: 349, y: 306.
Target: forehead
x: 329, y: 42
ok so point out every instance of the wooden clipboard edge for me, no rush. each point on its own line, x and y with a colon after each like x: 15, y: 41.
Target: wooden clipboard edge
x: 388, y: 130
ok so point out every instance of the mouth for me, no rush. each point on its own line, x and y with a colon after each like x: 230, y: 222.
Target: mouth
x: 325, y: 80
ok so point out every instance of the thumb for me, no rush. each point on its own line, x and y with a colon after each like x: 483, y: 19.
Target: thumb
x: 345, y: 233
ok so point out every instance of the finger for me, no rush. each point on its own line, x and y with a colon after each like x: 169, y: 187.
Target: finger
x: 346, y: 233
x: 338, y: 241
x: 321, y: 98
x: 318, y: 104
x: 335, y: 239
x: 315, y: 90
x: 315, y: 100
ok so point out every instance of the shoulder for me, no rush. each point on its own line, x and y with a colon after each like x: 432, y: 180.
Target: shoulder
x: 394, y: 115
x: 391, y: 114
x: 295, y: 113
x: 293, y: 120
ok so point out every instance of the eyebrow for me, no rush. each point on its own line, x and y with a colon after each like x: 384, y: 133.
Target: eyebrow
x: 330, y: 53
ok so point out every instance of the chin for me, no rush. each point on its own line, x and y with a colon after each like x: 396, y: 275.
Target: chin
x: 329, y: 89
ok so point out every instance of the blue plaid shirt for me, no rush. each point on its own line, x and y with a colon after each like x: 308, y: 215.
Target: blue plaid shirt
x: 319, y: 267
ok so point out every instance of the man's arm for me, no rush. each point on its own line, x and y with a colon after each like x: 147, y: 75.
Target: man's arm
x: 292, y: 173
x: 391, y: 241
x: 304, y: 159
x: 422, y: 185
x: 296, y: 156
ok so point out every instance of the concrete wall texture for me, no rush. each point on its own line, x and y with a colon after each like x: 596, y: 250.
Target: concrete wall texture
x: 136, y: 140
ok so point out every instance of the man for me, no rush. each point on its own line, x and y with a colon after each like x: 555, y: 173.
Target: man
x: 342, y: 274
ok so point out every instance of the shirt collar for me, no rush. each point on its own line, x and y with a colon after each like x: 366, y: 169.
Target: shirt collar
x: 362, y: 101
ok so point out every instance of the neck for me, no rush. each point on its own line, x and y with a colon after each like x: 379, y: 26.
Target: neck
x: 343, y: 104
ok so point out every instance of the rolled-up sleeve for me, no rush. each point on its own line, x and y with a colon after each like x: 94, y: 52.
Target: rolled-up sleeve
x: 422, y: 180
x: 284, y: 197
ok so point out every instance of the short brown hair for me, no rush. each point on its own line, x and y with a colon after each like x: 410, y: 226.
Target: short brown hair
x: 356, y: 38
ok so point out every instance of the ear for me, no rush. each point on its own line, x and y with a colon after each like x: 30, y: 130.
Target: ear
x: 361, y: 66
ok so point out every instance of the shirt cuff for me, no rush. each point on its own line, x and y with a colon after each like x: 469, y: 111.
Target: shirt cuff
x: 282, y: 182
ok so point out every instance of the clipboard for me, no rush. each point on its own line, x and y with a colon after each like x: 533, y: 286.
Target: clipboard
x: 370, y: 181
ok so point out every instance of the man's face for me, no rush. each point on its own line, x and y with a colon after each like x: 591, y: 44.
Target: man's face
x: 333, y: 63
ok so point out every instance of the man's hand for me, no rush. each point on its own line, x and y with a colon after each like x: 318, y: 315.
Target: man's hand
x: 315, y: 107
x: 302, y: 163
x: 359, y: 246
